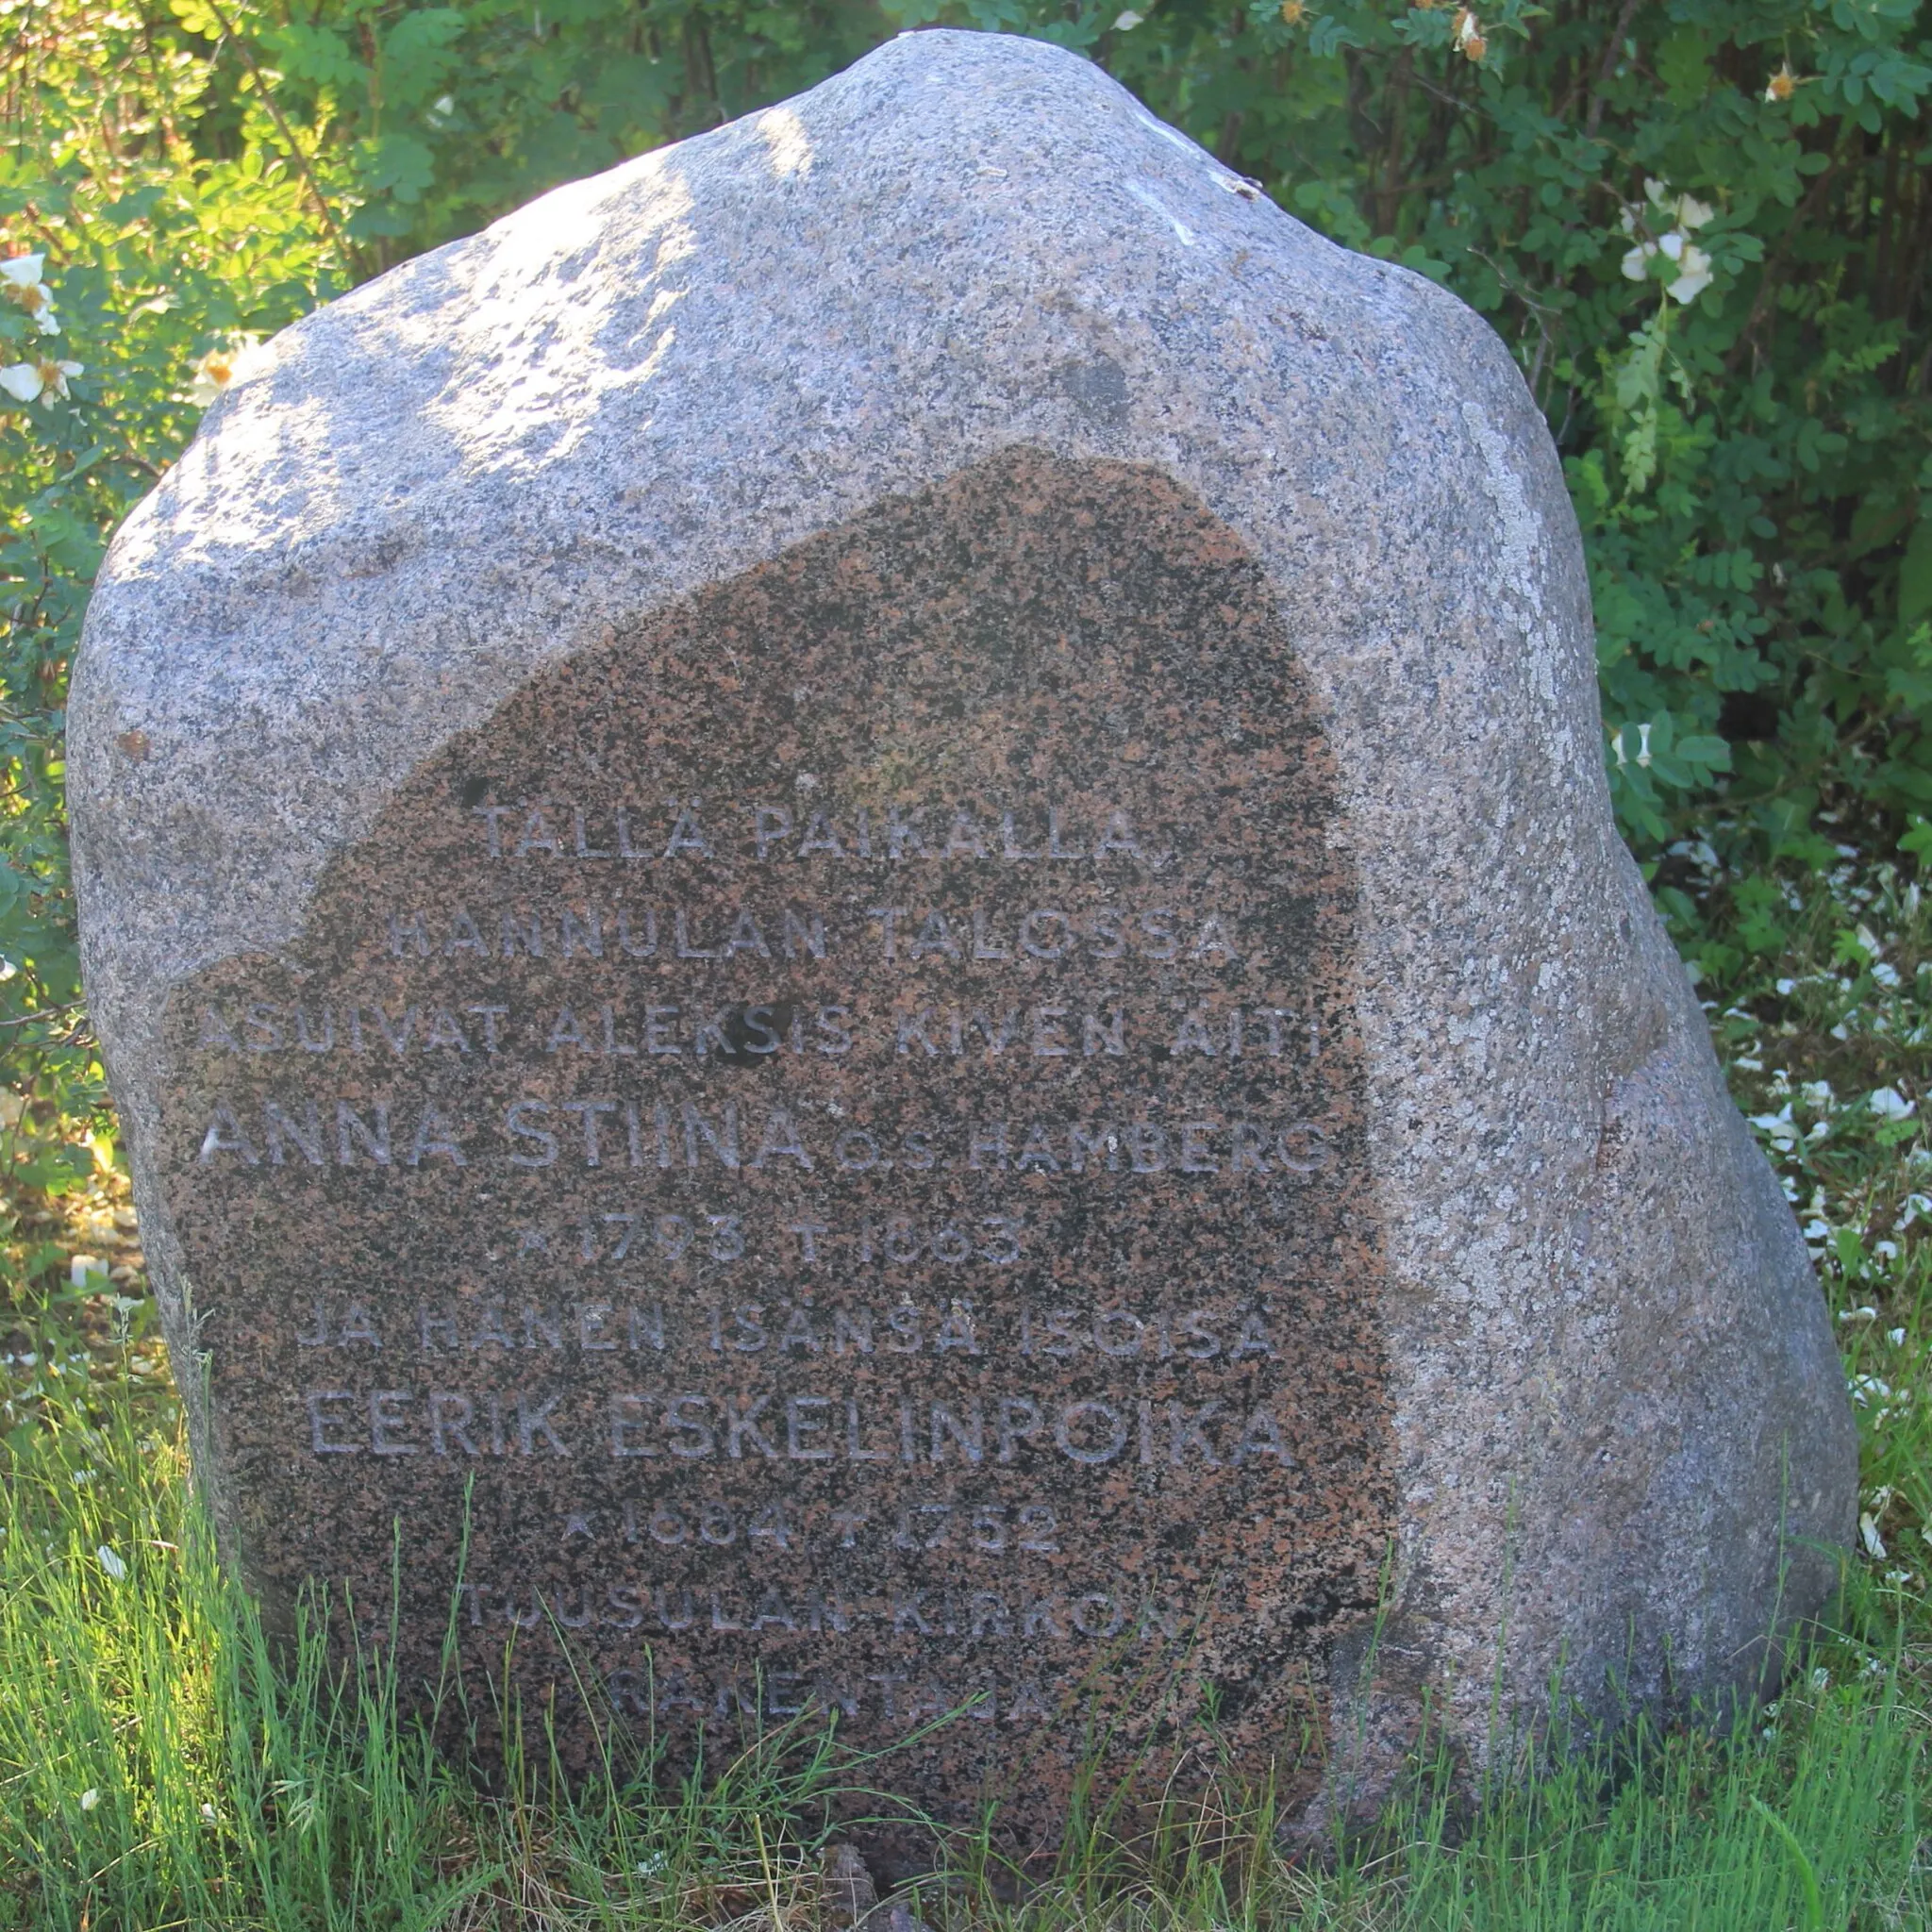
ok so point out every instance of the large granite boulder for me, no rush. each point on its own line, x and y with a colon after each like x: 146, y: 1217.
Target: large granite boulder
x: 866, y: 872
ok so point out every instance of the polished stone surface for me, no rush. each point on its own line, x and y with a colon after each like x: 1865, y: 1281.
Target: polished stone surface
x: 839, y: 1114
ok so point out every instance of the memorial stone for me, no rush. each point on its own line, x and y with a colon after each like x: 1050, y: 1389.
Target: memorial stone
x: 854, y: 905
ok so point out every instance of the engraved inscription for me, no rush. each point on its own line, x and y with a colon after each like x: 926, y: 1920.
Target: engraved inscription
x: 831, y: 1126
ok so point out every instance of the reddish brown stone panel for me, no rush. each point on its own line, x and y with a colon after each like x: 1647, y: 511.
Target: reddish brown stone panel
x: 839, y: 1114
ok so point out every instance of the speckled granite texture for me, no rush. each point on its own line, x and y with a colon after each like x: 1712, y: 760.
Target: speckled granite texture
x: 1096, y: 1067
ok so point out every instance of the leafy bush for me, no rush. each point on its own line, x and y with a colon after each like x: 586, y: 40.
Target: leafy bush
x: 1704, y: 227
x: 1704, y: 231
x: 135, y: 265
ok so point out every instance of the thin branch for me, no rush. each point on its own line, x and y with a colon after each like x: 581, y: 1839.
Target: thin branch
x: 1607, y: 66
x: 138, y: 462
x: 268, y: 101
x: 45, y: 1013
x: 1769, y: 276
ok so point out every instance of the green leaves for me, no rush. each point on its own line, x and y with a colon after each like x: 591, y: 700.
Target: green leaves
x: 1915, y: 574
x: 1651, y: 758
x: 157, y: 251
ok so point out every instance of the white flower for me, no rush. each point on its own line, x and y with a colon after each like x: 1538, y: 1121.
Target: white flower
x: 27, y: 382
x: 1884, y: 973
x: 87, y: 1270
x: 1126, y: 23
x: 90, y: 1798
x: 1815, y: 1093
x: 1787, y: 987
x: 1685, y: 210
x: 221, y: 368
x: 1896, y: 1337
x: 1694, y: 274
x: 1889, y: 1103
x: 21, y: 283
x: 208, y: 1811
x: 1685, y: 213
x: 1821, y: 1679
x: 212, y: 375
x: 112, y: 1562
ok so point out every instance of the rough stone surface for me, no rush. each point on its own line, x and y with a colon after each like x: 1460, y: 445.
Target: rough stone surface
x: 1098, y: 1088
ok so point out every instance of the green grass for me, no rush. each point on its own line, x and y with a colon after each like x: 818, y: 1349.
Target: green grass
x: 158, y: 1769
